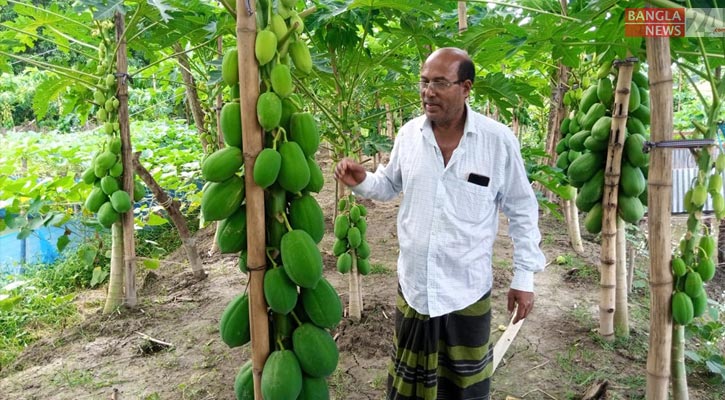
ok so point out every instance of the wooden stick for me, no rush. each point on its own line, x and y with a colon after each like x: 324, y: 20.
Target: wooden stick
x: 149, y: 338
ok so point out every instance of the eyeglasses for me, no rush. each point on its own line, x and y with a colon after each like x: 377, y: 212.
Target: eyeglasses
x: 437, y: 86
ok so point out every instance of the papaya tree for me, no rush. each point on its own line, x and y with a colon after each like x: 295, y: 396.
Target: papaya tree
x: 87, y: 87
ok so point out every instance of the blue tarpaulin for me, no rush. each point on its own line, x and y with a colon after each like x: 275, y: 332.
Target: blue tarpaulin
x: 39, y: 247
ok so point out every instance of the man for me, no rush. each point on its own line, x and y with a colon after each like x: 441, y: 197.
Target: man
x: 455, y: 168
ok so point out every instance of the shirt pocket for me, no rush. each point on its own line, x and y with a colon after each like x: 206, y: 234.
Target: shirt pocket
x: 471, y: 202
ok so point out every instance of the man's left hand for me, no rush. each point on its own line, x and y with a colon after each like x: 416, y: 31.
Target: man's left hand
x: 524, y: 301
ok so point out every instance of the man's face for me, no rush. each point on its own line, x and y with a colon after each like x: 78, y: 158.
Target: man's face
x: 444, y: 97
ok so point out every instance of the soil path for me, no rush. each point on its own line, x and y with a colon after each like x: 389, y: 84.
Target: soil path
x: 556, y: 355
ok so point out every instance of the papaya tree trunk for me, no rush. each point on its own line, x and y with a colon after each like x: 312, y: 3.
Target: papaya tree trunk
x: 621, y: 311
x: 659, y: 199
x: 389, y: 122
x: 192, y: 96
x: 172, y: 207
x: 219, y: 102
x: 679, y: 374
x: 129, y: 245
x: 253, y: 142
x: 114, y: 298
x: 608, y: 270
x: 355, y: 306
x: 572, y: 224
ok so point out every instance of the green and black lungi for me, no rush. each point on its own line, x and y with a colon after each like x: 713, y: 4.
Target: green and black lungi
x: 441, y: 358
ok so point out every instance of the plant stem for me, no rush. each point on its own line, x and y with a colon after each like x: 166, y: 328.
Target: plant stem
x: 536, y: 10
x: 66, y: 72
x: 172, y: 56
x: 59, y: 45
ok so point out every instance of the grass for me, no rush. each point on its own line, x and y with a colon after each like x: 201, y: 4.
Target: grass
x: 81, y: 378
x: 340, y: 384
x: 42, y: 299
x: 380, y: 269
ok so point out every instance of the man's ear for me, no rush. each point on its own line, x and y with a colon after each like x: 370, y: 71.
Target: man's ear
x: 467, y: 85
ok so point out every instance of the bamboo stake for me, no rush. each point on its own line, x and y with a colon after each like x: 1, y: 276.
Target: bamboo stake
x: 462, y: 21
x: 607, y: 269
x: 253, y: 142
x: 621, y: 310
x: 129, y: 248
x: 660, y: 207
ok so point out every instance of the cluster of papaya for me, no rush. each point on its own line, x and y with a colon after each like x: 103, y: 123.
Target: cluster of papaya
x: 351, y: 248
x: 302, y: 305
x: 107, y: 198
x: 582, y: 150
x: 695, y: 263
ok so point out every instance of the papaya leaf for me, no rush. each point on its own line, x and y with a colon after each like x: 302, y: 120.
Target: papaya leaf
x: 103, y: 9
x: 98, y: 277
x: 62, y: 242
x: 48, y: 90
x: 163, y: 8
x: 88, y: 255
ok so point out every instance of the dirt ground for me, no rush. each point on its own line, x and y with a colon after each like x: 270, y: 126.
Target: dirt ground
x: 556, y: 355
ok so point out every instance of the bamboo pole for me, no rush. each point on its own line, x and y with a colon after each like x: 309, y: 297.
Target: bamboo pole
x: 462, y: 21
x: 607, y: 270
x: 659, y: 200
x: 129, y: 247
x: 621, y: 310
x: 253, y: 142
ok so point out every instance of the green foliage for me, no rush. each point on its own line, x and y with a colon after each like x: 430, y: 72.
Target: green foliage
x: 40, y: 300
x: 39, y: 174
x: 538, y: 170
x: 17, y: 94
x: 708, y: 334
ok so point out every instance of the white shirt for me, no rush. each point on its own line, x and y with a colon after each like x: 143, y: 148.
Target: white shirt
x: 447, y: 225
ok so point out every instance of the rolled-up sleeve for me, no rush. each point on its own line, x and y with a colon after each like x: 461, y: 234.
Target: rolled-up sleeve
x: 386, y: 182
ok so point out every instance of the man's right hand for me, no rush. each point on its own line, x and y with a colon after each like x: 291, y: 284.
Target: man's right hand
x: 349, y: 172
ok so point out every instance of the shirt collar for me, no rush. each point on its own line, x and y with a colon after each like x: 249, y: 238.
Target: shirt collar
x: 468, y: 127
